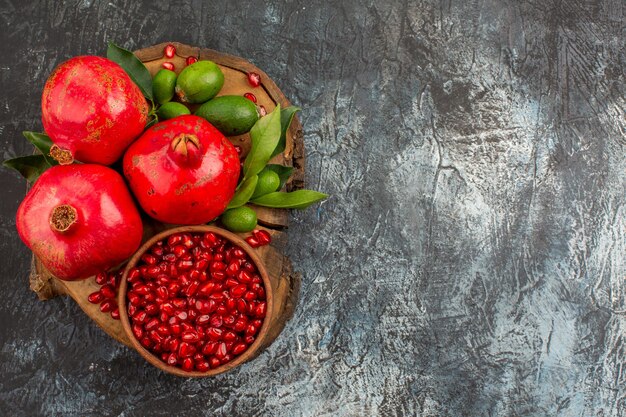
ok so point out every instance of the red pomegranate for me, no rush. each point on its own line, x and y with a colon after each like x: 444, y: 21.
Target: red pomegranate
x: 182, y: 170
x: 92, y: 110
x: 79, y: 219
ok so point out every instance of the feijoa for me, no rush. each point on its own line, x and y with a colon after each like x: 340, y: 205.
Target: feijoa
x: 199, y: 82
x: 163, y: 85
x: 268, y: 182
x: 171, y: 110
x: 241, y: 219
x: 231, y: 115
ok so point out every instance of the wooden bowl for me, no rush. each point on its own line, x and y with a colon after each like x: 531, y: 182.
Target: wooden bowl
x: 252, y: 351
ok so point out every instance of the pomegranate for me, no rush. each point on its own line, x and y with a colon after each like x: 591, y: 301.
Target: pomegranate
x: 79, y: 219
x: 201, y: 317
x: 182, y: 170
x: 92, y: 110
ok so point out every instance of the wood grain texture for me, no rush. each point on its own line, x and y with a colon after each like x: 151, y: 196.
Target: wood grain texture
x: 470, y: 261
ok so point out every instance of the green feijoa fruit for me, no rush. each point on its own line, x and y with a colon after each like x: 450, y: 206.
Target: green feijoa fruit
x: 239, y: 220
x: 163, y: 85
x: 199, y: 82
x: 171, y: 110
x: 268, y: 182
x: 231, y: 115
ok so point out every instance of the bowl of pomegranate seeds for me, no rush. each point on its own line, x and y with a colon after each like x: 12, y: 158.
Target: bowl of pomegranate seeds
x: 193, y: 301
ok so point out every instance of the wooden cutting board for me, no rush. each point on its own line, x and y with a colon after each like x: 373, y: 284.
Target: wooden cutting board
x: 285, y: 282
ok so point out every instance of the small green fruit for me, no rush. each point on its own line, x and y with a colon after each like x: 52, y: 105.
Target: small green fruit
x: 199, y: 82
x: 231, y: 115
x: 268, y: 182
x: 171, y: 110
x: 163, y: 85
x: 239, y: 220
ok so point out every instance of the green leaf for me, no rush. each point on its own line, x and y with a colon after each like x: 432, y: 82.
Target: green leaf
x: 286, y: 116
x: 31, y: 166
x: 299, y: 199
x: 265, y: 135
x: 283, y: 172
x: 136, y: 70
x: 244, y: 192
x: 42, y: 142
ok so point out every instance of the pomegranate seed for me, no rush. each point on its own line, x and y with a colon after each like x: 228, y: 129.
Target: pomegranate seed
x: 249, y: 339
x: 146, y: 342
x: 232, y: 269
x: 95, y: 297
x: 186, y: 350
x: 254, y: 79
x: 214, y: 334
x: 250, y: 295
x: 260, y: 310
x: 190, y: 337
x: 162, y: 292
x: 221, y: 351
x: 263, y: 236
x: 203, y: 319
x: 108, y: 291
x: 188, y: 364
x: 216, y: 321
x: 163, y: 330
x: 133, y: 275
x: 152, y: 324
x: 169, y: 51
x: 157, y: 251
x: 261, y: 293
x: 172, y: 359
x: 214, y: 362
x: 201, y: 265
x: 262, y: 111
x: 202, y: 366
x: 168, y: 66
x: 149, y: 259
x: 152, y: 309
x: 191, y: 60
x: 239, y: 348
x: 184, y: 265
x: 132, y: 310
x: 179, y: 303
x: 192, y: 288
x: 101, y: 278
x: 250, y: 97
x: 239, y: 290
x: 251, y: 330
x: 229, y: 336
x: 137, y: 331
x: 218, y: 275
x: 207, y: 288
x: 115, y: 313
x: 240, y: 325
x: 134, y: 299
x: 231, y: 304
x: 252, y: 241
x: 231, y: 282
x: 107, y: 306
x: 140, y: 316
x: 176, y: 328
x: 181, y: 315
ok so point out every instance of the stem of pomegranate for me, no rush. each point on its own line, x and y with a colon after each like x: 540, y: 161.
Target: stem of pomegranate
x: 62, y: 218
x: 62, y: 156
x: 185, y: 149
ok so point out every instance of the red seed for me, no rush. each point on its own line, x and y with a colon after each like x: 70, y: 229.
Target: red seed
x: 251, y: 330
x: 191, y: 60
x: 95, y: 297
x: 216, y: 321
x: 186, y: 350
x: 230, y: 336
x: 115, y: 313
x: 214, y: 334
x: 232, y: 269
x: 133, y: 298
x: 192, y: 288
x: 201, y: 265
x: 163, y: 330
x: 174, y: 239
x: 231, y: 304
x: 181, y: 315
x: 162, y: 292
x: 133, y: 275
x: 262, y: 111
x: 168, y: 66
x: 202, y: 366
x: 140, y: 316
x: 250, y: 97
x: 206, y: 289
x: 263, y: 236
x: 203, y: 319
x: 239, y: 348
x: 229, y: 320
x: 244, y: 276
x: 209, y: 348
x: 260, y: 310
x: 252, y: 241
x: 101, y: 278
x: 169, y: 51
x: 108, y: 291
x: 184, y: 265
x: 190, y: 337
x: 249, y: 339
x: 107, y: 306
x: 240, y: 325
x: 176, y: 328
x: 152, y: 324
x: 239, y: 290
x: 221, y: 350
x: 132, y: 310
x: 249, y: 295
x: 172, y: 359
x: 149, y: 259
x: 152, y: 309
x: 146, y: 342
x: 231, y: 282
x: 179, y: 303
x: 214, y: 362
x: 254, y: 79
x: 137, y: 331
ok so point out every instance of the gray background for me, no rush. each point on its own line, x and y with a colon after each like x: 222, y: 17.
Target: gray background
x: 470, y: 261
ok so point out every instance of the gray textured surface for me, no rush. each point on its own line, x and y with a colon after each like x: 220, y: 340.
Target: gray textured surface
x: 471, y: 259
